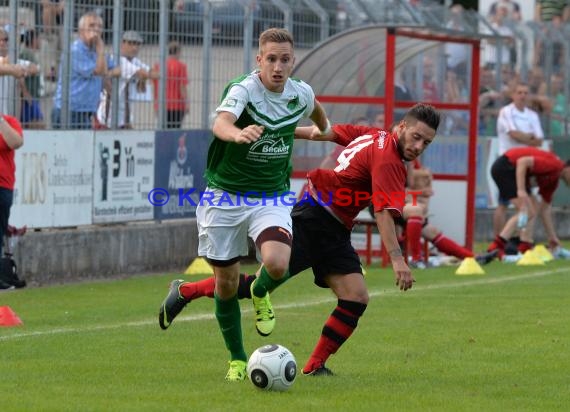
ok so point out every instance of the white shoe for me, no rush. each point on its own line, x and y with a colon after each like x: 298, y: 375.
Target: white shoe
x: 512, y: 258
x: 561, y: 253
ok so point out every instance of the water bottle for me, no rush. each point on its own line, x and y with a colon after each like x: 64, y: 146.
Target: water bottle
x: 523, y: 219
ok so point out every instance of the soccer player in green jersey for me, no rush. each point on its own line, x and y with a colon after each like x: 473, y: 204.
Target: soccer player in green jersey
x: 248, y: 170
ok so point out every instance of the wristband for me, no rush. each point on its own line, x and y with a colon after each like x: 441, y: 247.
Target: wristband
x: 327, y: 130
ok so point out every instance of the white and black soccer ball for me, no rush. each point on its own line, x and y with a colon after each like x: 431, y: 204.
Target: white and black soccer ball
x: 272, y: 367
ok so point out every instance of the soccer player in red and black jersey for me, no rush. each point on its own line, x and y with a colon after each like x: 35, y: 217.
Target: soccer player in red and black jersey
x: 512, y: 172
x: 371, y: 169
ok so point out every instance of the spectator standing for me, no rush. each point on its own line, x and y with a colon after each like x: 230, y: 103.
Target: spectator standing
x: 457, y: 53
x: 512, y: 7
x: 489, y: 102
x: 492, y: 47
x: 554, y: 11
x: 132, y: 73
x: 88, y: 67
x: 379, y: 121
x: 401, y: 90
x: 31, y: 115
x: 10, y: 72
x: 517, y: 124
x: 560, y: 108
x: 551, y: 45
x: 176, y: 94
x: 52, y: 15
x: 538, y: 100
x: 455, y: 91
x: 430, y: 92
x: 11, y: 138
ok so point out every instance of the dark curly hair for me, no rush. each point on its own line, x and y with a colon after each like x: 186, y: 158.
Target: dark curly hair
x: 424, y: 113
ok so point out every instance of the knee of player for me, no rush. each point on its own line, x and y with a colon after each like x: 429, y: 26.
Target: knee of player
x: 359, y: 296
x: 276, y: 267
x: 363, y: 298
x: 226, y: 285
x: 430, y: 232
x: 413, y: 211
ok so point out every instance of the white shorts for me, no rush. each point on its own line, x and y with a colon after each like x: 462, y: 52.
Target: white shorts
x: 225, y: 224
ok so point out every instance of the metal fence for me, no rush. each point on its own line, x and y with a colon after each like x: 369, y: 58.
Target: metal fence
x: 218, y: 40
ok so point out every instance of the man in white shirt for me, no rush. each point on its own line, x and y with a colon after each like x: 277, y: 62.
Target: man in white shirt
x: 132, y: 74
x: 517, y: 125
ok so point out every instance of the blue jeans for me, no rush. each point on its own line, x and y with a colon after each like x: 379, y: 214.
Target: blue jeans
x: 77, y: 120
x: 6, y: 198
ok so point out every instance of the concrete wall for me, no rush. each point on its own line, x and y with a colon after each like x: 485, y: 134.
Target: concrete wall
x: 64, y: 255
x: 56, y: 256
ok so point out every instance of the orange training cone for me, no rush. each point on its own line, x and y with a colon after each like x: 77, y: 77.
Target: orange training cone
x: 8, y: 317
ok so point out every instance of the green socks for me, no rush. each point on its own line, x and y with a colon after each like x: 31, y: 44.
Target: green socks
x: 229, y: 318
x: 264, y: 283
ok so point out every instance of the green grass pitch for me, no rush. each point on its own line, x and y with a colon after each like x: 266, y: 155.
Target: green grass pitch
x: 493, y: 342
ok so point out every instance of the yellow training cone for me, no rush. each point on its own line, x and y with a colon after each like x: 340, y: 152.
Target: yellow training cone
x: 530, y: 259
x: 542, y: 252
x: 469, y: 266
x: 199, y: 266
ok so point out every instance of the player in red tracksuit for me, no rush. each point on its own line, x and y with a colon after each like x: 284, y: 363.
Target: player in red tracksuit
x: 371, y: 169
x: 513, y: 172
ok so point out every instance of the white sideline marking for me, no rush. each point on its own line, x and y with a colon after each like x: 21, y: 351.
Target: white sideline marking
x: 210, y: 316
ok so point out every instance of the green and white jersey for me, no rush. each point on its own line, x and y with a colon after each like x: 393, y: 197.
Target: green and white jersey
x: 264, y: 166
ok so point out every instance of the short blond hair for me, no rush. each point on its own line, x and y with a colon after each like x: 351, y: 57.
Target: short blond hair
x: 275, y: 35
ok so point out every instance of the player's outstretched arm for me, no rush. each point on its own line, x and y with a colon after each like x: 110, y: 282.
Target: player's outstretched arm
x: 387, y: 229
x: 319, y: 118
x: 313, y: 133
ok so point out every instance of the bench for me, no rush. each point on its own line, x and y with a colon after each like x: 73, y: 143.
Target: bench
x: 369, y: 223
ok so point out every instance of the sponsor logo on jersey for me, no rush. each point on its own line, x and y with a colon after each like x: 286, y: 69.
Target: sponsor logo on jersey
x: 270, y: 147
x: 381, y: 139
x: 293, y: 103
x: 229, y: 102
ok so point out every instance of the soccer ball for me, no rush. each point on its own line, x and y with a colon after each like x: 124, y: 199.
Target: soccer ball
x: 272, y: 367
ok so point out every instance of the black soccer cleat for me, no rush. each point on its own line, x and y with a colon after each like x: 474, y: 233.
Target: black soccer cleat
x: 320, y: 371
x: 172, y: 305
x: 488, y: 257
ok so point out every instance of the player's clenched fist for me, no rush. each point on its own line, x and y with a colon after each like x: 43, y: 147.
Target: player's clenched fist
x: 249, y: 134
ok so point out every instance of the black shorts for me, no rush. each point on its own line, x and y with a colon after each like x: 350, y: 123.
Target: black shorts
x: 322, y: 243
x: 504, y: 175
